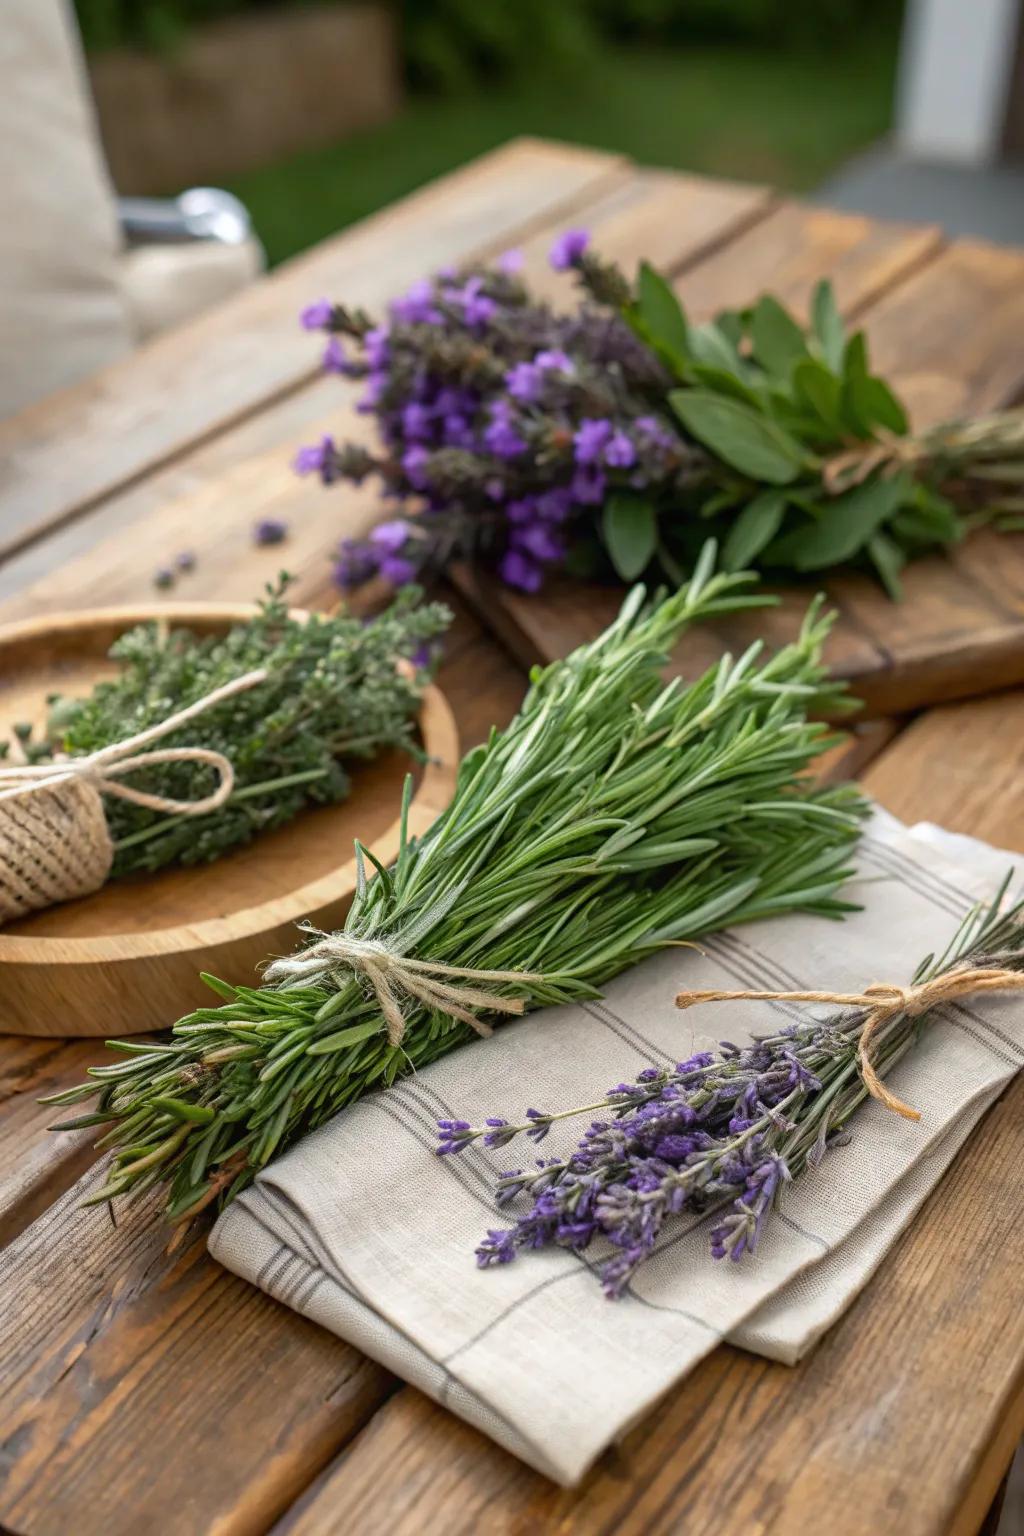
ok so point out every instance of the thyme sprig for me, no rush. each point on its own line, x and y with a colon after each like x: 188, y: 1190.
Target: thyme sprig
x: 333, y: 695
x: 617, y: 813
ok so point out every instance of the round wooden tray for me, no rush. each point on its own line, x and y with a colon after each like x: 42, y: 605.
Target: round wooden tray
x: 127, y: 959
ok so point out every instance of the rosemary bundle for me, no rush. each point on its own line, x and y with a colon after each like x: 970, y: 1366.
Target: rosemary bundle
x: 727, y: 1132
x: 332, y: 693
x: 611, y: 440
x: 615, y: 815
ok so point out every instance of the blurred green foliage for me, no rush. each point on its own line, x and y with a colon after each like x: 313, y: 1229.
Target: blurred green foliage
x: 455, y: 45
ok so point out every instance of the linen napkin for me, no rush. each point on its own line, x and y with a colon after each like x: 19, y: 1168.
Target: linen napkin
x: 363, y: 1229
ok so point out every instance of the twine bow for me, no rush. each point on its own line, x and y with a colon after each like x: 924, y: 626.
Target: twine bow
x: 882, y: 1001
x: 105, y: 768
x: 392, y: 975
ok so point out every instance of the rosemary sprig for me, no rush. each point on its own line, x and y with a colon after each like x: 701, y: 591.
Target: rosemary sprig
x: 333, y: 695
x: 616, y: 814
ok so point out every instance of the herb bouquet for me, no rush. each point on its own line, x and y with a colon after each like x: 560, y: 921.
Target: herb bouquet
x: 616, y: 814
x: 726, y: 1131
x: 615, y: 438
x: 290, y: 701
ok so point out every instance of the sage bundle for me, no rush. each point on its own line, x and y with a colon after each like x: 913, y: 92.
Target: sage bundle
x: 726, y: 1132
x: 615, y: 815
x: 253, y: 725
x: 611, y: 440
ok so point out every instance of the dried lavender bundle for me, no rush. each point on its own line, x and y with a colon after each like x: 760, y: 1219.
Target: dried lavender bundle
x: 725, y: 1132
x: 616, y: 814
x: 613, y: 439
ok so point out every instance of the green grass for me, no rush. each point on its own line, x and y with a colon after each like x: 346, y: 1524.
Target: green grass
x: 745, y: 113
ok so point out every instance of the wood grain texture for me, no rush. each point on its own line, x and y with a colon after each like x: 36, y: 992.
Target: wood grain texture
x: 129, y: 957
x: 64, y: 453
x: 789, y: 252
x: 35, y: 1165
x: 153, y: 1391
x: 905, y: 1416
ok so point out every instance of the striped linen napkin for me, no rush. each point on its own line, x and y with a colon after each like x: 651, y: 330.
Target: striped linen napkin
x: 363, y: 1229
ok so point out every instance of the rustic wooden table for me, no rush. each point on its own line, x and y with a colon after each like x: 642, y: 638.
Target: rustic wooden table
x: 147, y: 1391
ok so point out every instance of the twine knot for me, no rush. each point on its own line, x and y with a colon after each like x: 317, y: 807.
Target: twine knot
x: 104, y: 769
x: 882, y: 1002
x: 393, y: 976
x: 888, y: 453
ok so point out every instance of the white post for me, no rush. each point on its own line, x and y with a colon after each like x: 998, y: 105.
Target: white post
x: 955, y: 65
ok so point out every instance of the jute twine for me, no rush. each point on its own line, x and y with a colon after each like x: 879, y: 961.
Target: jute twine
x: 888, y: 453
x: 54, y: 839
x: 393, y: 975
x: 882, y: 1002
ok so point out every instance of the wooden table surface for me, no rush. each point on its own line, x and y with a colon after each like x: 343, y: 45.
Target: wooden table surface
x: 146, y: 1391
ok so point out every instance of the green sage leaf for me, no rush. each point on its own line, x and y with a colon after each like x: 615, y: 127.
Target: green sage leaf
x: 778, y: 340
x: 888, y: 560
x: 820, y: 390
x: 846, y: 524
x: 662, y: 315
x: 827, y: 325
x: 753, y: 530
x: 740, y: 436
x: 630, y: 530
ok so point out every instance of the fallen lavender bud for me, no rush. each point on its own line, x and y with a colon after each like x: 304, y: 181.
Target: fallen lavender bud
x: 269, y: 530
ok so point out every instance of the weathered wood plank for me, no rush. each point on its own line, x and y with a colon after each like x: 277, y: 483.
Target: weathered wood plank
x: 68, y: 451
x: 35, y: 1165
x: 788, y: 252
x: 147, y: 1391
x: 931, y: 1355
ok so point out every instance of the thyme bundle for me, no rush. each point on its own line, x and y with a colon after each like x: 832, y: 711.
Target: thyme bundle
x: 727, y: 1132
x: 332, y: 694
x: 613, y: 439
x: 615, y: 814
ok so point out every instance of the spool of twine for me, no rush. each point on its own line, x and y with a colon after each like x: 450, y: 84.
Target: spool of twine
x: 54, y: 840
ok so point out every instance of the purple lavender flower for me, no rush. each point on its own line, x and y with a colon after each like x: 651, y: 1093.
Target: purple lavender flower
x: 568, y: 249
x: 398, y: 571
x: 311, y: 459
x: 553, y: 360
x: 417, y: 307
x: 186, y: 560
x: 334, y: 360
x: 501, y: 436
x: 510, y: 262
x: 591, y: 440
x: 414, y: 462
x: 269, y: 530
x: 539, y: 540
x: 317, y: 316
x: 356, y: 562
x: 523, y: 382
x: 390, y: 537
x: 163, y: 577
x: 588, y: 486
x: 619, y: 452
x: 477, y: 308
x: 520, y: 571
